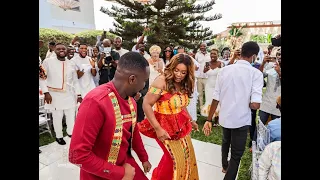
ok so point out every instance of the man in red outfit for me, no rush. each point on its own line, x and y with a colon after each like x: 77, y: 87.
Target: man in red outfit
x: 105, y: 129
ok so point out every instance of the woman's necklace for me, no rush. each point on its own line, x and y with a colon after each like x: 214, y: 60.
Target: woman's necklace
x: 154, y: 62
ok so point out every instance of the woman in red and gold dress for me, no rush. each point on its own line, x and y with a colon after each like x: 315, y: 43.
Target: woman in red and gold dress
x: 170, y: 123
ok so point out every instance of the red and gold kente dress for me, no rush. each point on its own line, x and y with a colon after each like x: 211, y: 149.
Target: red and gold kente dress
x: 178, y: 161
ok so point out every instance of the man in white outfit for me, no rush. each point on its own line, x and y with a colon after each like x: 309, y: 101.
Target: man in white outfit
x: 86, y: 70
x: 202, y: 57
x: 118, y: 45
x: 60, y: 90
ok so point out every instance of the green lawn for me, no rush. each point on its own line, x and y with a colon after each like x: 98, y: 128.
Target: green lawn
x: 216, y: 138
x: 45, y: 138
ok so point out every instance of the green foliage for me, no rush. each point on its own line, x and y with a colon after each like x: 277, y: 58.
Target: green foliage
x: 236, y: 32
x: 90, y: 37
x: 172, y: 22
x: 48, y: 35
x: 261, y: 38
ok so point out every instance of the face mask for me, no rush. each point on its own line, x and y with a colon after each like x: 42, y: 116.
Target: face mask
x: 76, y: 49
x: 107, y: 49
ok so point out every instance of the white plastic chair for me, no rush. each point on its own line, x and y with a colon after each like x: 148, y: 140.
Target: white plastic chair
x: 43, y: 118
x: 263, y: 139
x: 263, y: 135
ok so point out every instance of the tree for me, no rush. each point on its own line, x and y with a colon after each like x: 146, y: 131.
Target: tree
x: 175, y: 22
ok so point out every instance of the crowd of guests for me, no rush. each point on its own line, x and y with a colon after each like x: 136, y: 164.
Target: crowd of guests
x: 212, y: 79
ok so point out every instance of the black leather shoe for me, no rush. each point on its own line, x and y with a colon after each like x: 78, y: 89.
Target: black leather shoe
x: 60, y: 141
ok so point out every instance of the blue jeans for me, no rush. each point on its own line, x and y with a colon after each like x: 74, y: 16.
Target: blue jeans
x: 264, y: 118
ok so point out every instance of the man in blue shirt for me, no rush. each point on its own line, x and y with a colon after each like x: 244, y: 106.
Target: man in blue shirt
x: 275, y: 125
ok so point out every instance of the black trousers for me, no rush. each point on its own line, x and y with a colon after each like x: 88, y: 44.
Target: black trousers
x: 237, y: 139
x: 140, y: 113
x: 253, y: 126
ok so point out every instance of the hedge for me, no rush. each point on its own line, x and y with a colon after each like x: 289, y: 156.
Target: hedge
x: 47, y: 35
x: 90, y: 37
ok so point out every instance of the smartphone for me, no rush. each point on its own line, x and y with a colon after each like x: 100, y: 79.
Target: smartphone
x: 207, y: 64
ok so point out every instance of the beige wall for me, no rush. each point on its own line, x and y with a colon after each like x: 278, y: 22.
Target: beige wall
x: 248, y: 32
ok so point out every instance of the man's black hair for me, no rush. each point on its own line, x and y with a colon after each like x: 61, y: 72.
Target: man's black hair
x: 132, y: 61
x: 180, y: 47
x: 225, y: 49
x: 59, y: 44
x: 52, y: 43
x: 70, y: 48
x: 249, y: 49
x: 83, y: 44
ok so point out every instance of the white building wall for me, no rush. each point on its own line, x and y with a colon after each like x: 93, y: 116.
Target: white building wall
x: 70, y: 21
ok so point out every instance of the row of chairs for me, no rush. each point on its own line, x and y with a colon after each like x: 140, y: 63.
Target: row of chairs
x: 263, y: 139
x: 44, y: 118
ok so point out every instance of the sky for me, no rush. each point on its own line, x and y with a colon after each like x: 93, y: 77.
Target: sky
x: 232, y: 11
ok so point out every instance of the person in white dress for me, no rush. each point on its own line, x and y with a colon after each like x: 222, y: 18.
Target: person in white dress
x: 211, y: 69
x: 192, y: 106
x: 86, y: 70
x: 156, y: 63
x: 60, y: 90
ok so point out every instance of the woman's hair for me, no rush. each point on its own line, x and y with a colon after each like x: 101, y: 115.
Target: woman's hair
x: 155, y: 48
x: 164, y: 54
x: 225, y: 49
x: 187, y: 84
x: 215, y: 49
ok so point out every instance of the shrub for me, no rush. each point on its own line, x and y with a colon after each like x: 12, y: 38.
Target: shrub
x: 48, y: 35
x: 90, y: 37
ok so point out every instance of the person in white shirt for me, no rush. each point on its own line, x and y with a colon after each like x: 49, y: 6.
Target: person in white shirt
x: 51, y: 48
x: 270, y: 162
x: 70, y: 52
x: 60, y: 90
x: 86, y: 70
x: 272, y: 71
x: 118, y: 46
x: 202, y: 57
x: 238, y: 90
x: 142, y: 51
x: 95, y: 57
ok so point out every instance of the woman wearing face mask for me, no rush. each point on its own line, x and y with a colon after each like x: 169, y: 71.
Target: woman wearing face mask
x: 211, y: 69
x: 271, y: 69
x: 156, y: 63
x: 170, y: 123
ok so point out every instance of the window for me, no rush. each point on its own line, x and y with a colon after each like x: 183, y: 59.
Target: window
x: 76, y: 8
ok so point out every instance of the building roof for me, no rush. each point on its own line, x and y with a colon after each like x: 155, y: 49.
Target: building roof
x: 257, y: 24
